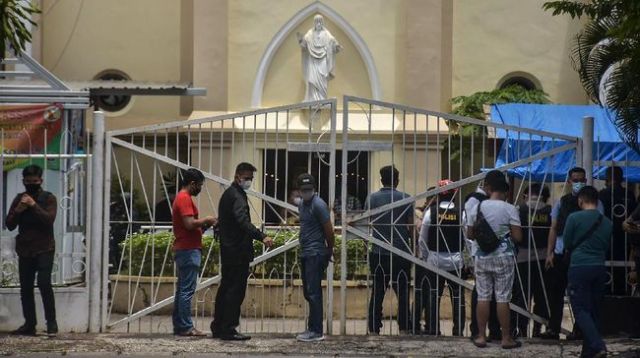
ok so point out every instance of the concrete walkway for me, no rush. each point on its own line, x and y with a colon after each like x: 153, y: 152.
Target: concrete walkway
x: 154, y: 345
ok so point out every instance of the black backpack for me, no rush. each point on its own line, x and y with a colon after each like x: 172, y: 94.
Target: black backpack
x: 483, y: 234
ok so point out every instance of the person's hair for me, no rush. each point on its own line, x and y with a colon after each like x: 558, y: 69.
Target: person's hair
x: 588, y: 194
x: 500, y: 186
x: 245, y: 167
x: 576, y: 170
x: 615, y: 174
x: 494, y: 178
x: 389, y: 175
x: 191, y: 175
x: 32, y: 170
x: 545, y: 193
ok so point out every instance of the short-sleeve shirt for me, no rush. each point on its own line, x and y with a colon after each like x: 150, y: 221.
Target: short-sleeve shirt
x: 183, y: 206
x: 391, y: 226
x: 501, y: 216
x: 555, y: 213
x: 313, y: 215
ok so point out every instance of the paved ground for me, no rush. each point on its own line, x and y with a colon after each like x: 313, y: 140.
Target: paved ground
x: 157, y: 345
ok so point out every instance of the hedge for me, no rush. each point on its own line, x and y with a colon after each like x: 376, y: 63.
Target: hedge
x: 136, y: 261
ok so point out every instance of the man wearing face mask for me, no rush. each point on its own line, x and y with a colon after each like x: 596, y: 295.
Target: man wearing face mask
x: 187, y: 247
x: 34, y: 213
x: 237, y: 234
x: 316, y: 248
x: 555, y: 264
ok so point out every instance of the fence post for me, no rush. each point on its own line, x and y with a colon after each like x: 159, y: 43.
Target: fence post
x: 587, y: 148
x: 95, y: 237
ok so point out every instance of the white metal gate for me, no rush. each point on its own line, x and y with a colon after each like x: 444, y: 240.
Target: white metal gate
x: 142, y: 172
x: 425, y: 147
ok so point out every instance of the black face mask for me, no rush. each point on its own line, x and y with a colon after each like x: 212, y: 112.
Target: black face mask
x: 32, y: 188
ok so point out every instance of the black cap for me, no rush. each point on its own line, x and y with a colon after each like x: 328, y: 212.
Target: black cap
x: 306, y: 180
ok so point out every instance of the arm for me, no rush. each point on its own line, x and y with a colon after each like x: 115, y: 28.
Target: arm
x: 516, y: 233
x: 551, y: 243
x: 239, y: 211
x: 515, y: 225
x: 14, y: 214
x: 191, y: 223
x: 46, y: 213
x: 330, y: 235
x: 569, y: 234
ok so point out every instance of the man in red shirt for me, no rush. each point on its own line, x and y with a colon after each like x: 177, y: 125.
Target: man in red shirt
x: 187, y: 247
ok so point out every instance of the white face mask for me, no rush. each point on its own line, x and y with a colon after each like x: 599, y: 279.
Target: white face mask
x: 245, y: 184
x: 297, y: 200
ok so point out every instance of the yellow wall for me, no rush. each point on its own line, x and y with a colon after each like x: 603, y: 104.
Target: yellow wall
x: 253, y: 23
x: 141, y: 38
x: 492, y: 38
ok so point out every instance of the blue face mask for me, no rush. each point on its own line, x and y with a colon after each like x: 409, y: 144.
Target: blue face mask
x: 575, y: 187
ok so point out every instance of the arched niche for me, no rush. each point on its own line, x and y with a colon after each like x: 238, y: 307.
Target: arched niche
x: 283, y: 48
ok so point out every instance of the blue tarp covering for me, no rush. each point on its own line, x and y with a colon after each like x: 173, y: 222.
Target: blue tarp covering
x: 560, y: 119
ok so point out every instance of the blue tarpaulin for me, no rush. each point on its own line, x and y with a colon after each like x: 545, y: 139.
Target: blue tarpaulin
x: 560, y: 119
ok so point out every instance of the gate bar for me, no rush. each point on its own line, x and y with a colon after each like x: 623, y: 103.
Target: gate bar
x: 95, y: 240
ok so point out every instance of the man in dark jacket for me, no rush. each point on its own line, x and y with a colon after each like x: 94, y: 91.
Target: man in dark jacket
x: 236, y: 248
x: 34, y: 213
x: 618, y: 203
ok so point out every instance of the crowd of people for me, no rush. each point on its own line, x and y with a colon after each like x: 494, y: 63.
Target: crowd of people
x: 530, y: 255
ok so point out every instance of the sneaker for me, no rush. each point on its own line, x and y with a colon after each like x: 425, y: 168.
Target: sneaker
x: 52, y: 329
x: 310, y: 337
x: 24, y: 330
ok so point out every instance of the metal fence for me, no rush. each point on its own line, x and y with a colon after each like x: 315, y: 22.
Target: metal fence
x: 142, y: 174
x: 425, y: 147
x: 63, y: 155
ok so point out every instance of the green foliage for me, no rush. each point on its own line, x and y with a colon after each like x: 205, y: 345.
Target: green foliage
x: 609, y: 43
x: 14, y: 15
x: 472, y: 105
x: 145, y: 254
x: 120, y: 202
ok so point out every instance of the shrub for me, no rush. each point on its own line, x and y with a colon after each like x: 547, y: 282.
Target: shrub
x: 146, y: 254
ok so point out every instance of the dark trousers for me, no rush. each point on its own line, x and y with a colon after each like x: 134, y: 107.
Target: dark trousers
x: 532, y: 289
x: 428, y: 291
x: 494, y: 325
x: 385, y: 269
x: 229, y: 298
x: 28, y: 267
x: 312, y: 268
x: 556, y: 278
x: 586, y: 290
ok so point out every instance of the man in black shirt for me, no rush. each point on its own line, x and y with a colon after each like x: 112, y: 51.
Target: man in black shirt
x: 237, y: 234
x: 34, y: 213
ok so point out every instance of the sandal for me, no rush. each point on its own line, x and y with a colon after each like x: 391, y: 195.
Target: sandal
x: 193, y: 333
x: 516, y: 344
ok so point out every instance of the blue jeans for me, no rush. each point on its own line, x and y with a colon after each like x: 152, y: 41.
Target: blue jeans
x: 586, y: 290
x: 312, y: 271
x: 188, y: 267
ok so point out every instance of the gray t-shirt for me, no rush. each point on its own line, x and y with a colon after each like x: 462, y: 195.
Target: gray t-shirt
x: 313, y: 215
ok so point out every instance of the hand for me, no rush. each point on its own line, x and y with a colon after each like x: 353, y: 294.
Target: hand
x: 20, y: 207
x: 548, y: 263
x: 27, y: 200
x: 268, y: 242
x: 211, y: 221
x: 630, y: 227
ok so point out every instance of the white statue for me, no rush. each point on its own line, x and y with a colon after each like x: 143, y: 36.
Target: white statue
x: 319, y: 49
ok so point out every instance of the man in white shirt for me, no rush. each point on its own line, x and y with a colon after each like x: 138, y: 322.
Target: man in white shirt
x: 495, y: 269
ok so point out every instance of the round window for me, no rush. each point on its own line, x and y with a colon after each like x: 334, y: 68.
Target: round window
x: 112, y: 102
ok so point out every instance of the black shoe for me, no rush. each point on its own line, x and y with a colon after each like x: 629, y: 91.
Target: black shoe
x: 550, y: 335
x: 234, y: 337
x: 573, y: 336
x: 24, y: 330
x: 52, y: 329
